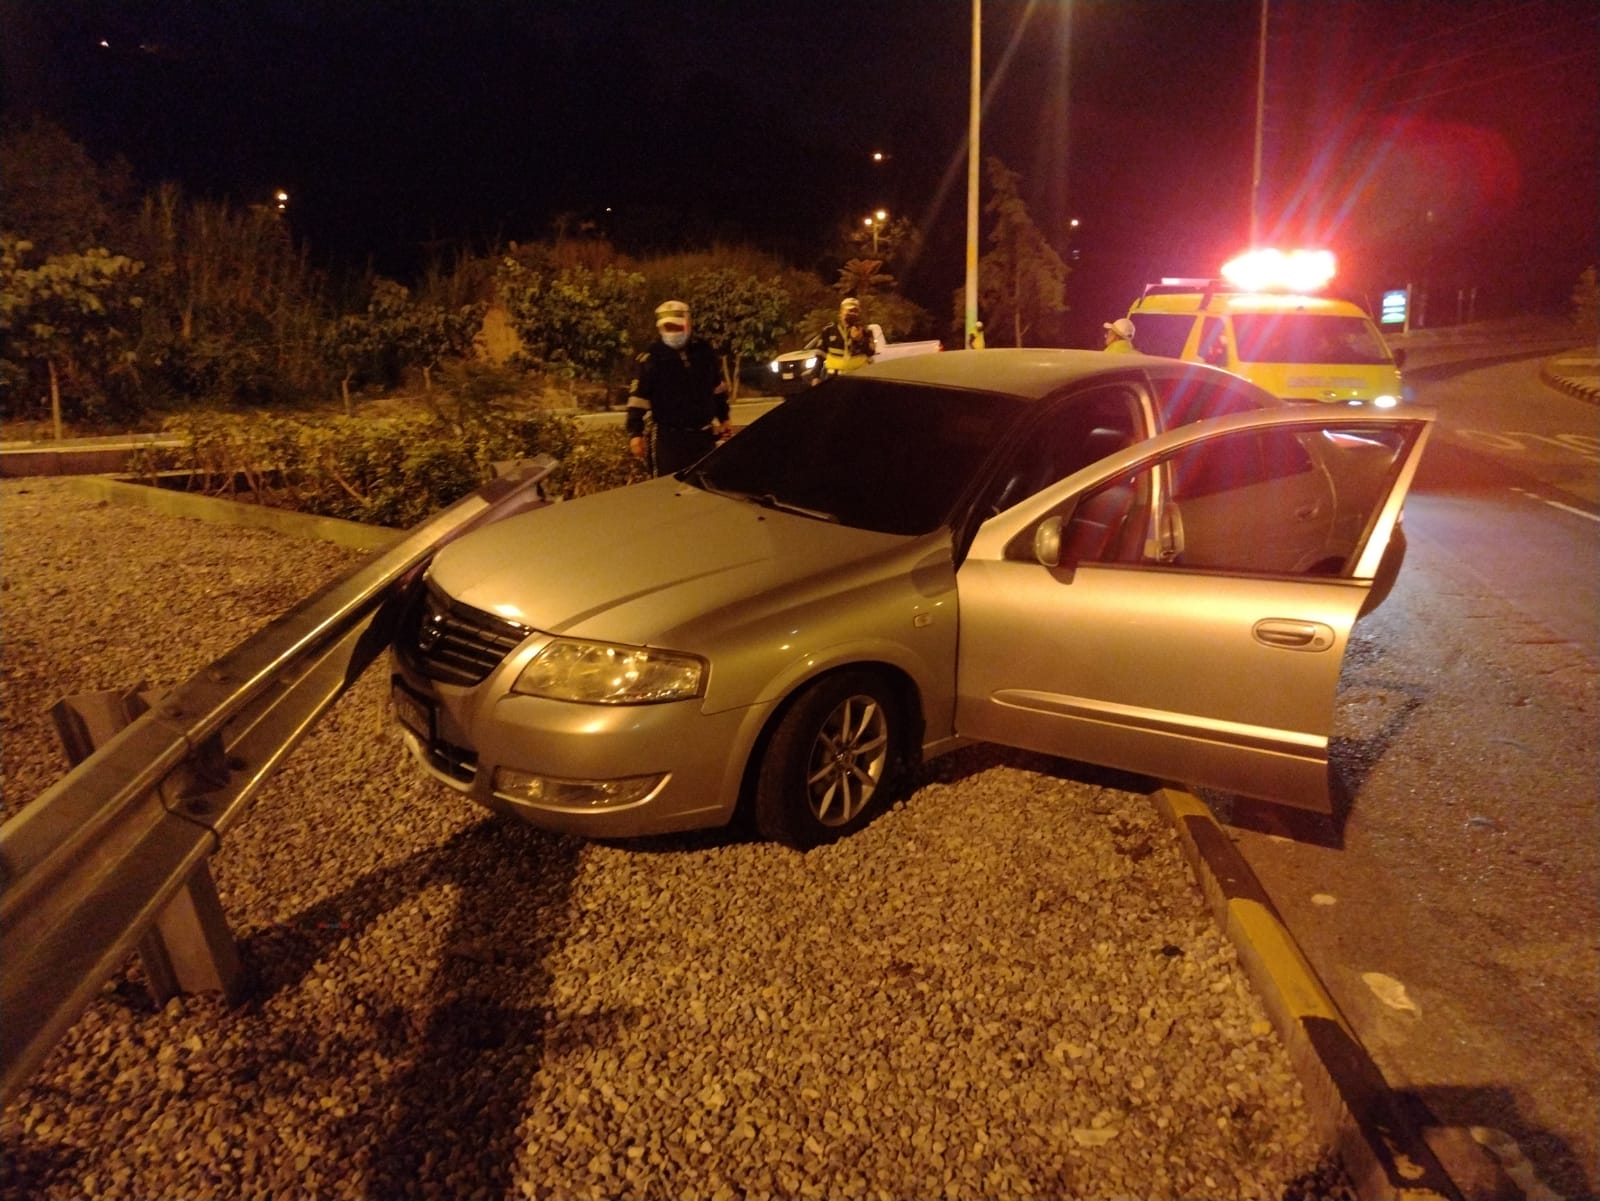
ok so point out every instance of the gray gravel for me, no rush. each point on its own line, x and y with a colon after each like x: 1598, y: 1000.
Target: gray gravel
x: 1008, y: 986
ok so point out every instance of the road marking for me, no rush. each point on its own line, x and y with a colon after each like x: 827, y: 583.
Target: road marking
x: 1586, y: 445
x: 1556, y: 504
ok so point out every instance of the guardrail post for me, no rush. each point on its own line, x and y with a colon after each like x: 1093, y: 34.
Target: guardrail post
x: 191, y: 947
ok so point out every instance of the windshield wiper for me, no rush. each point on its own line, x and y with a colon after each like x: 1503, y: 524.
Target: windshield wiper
x: 769, y: 501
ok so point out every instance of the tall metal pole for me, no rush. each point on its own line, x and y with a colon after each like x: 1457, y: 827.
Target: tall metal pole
x: 1261, y: 108
x: 972, y: 172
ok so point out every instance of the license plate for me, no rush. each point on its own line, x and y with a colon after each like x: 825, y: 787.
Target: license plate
x: 414, y: 713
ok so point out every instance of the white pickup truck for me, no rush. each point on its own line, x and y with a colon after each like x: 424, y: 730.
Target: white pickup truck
x: 799, y: 369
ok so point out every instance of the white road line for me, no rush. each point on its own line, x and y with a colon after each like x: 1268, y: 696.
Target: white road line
x: 1556, y: 504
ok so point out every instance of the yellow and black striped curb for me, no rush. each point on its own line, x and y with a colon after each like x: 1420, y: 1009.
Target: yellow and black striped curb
x: 1383, y: 1152
x: 1564, y: 375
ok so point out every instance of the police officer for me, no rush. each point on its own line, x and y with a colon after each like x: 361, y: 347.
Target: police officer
x: 1119, y: 336
x: 680, y: 385
x: 847, y: 343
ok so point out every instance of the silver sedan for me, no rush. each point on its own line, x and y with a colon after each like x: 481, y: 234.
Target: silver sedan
x: 1123, y: 560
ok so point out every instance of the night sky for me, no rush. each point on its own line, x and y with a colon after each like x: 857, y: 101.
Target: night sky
x: 1455, y: 142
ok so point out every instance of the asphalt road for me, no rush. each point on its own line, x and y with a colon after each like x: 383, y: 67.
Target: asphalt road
x: 1451, y: 908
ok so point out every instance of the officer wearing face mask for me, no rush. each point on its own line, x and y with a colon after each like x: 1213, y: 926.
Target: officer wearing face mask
x: 679, y: 385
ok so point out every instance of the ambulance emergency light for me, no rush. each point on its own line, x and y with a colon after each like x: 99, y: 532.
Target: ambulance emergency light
x: 1280, y: 271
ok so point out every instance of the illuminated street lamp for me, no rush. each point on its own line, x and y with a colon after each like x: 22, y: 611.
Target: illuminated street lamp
x: 874, y: 223
x: 281, y: 199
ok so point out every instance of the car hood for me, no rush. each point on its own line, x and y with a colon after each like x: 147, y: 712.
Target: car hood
x: 648, y: 563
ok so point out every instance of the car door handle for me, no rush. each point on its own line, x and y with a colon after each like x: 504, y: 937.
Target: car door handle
x: 1293, y: 635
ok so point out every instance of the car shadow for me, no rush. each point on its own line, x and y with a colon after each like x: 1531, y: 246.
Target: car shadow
x: 452, y: 1113
x: 1509, y: 1149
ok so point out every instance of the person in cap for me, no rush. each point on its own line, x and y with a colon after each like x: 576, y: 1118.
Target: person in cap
x: 847, y: 343
x: 679, y: 386
x: 1119, y: 336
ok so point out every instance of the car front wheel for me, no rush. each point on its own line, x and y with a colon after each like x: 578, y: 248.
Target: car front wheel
x: 833, y: 761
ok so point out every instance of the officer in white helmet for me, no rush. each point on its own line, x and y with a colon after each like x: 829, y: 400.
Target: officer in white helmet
x: 1119, y: 336
x: 679, y: 386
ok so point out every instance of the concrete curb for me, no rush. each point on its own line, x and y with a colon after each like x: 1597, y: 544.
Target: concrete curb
x: 353, y: 534
x: 1559, y: 374
x: 1381, y: 1149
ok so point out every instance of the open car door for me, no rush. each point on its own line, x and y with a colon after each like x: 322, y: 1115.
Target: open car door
x: 1181, y: 609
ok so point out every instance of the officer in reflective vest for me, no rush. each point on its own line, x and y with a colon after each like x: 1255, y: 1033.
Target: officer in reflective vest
x: 847, y: 343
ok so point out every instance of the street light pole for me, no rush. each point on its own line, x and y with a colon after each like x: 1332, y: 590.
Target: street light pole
x: 875, y: 223
x: 1261, y: 104
x: 974, y: 106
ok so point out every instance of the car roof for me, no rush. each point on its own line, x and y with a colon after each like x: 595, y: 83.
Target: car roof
x: 1029, y: 373
x: 1242, y: 302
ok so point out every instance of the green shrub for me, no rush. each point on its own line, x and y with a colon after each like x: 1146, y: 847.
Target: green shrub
x: 392, y: 471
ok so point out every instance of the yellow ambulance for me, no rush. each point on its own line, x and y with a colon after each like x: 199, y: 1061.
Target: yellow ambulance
x: 1296, y: 345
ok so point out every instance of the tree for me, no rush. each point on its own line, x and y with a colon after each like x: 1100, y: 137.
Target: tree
x: 355, y: 342
x: 741, y: 315
x: 572, y: 321
x: 57, y: 197
x: 234, y: 309
x: 70, y: 318
x: 433, y: 333
x: 1021, y: 282
x: 862, y: 277
x: 895, y: 239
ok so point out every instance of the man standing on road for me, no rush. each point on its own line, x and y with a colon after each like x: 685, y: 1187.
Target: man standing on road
x: 680, y: 386
x: 847, y: 343
x: 1119, y: 336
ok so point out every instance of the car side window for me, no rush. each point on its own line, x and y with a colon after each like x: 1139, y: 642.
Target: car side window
x: 1213, y: 342
x: 1078, y: 430
x: 1184, y: 399
x: 1256, y: 502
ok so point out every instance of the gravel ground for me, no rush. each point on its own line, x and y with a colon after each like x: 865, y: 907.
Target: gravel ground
x: 1008, y: 986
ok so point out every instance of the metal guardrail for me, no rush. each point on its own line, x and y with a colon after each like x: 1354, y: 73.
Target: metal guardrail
x: 91, y: 868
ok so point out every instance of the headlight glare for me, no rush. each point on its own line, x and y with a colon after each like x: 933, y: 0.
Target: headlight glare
x: 600, y: 673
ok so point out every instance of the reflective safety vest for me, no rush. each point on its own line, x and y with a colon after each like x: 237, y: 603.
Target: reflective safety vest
x: 841, y: 352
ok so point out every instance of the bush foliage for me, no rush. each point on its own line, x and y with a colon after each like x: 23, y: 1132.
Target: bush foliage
x: 392, y: 471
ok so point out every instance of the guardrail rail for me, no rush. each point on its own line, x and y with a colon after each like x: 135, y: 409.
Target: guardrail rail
x: 113, y: 857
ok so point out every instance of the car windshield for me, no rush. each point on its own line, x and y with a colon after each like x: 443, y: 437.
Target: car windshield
x: 873, y: 454
x: 1307, y: 338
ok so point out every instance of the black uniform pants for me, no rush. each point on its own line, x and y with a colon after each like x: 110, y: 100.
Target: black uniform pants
x: 677, y: 448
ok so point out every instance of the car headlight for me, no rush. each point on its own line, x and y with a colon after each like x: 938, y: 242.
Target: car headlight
x: 774, y: 366
x: 1385, y: 401
x: 811, y: 362
x: 600, y: 673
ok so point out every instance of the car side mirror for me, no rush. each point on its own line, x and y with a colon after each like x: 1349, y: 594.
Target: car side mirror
x: 1047, y: 541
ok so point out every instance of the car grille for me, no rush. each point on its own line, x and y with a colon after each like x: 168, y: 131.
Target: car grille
x: 454, y: 761
x: 454, y: 643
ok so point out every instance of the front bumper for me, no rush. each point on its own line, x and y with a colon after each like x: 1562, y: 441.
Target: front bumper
x: 462, y: 736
